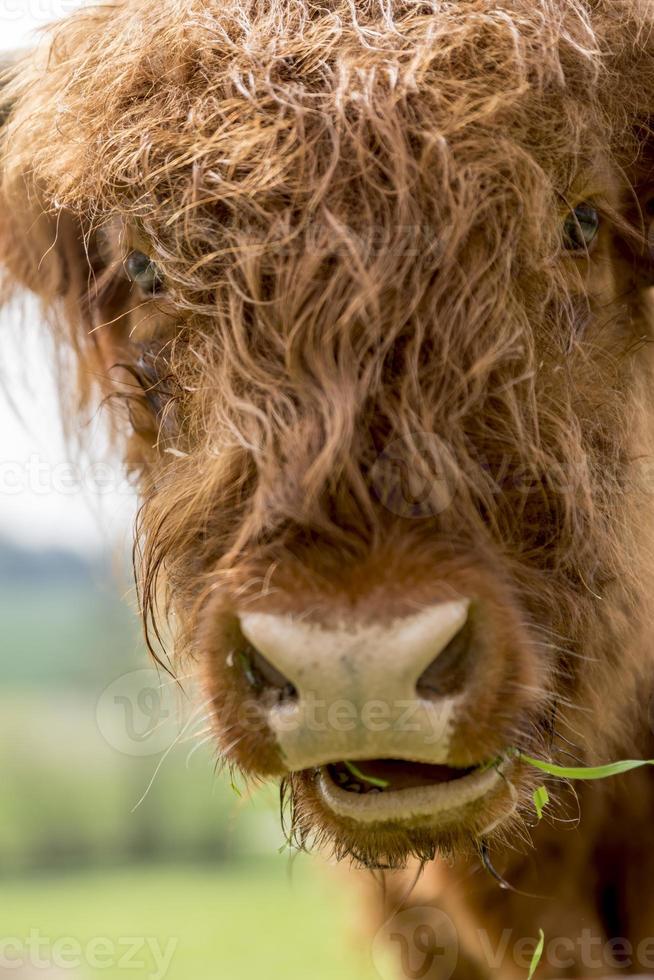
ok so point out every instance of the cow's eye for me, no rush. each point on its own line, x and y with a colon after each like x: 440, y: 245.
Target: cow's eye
x: 581, y: 228
x: 144, y: 273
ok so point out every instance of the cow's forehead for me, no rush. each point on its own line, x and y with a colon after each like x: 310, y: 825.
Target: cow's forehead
x: 268, y: 96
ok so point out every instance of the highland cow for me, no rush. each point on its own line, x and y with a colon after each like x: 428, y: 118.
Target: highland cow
x: 366, y: 284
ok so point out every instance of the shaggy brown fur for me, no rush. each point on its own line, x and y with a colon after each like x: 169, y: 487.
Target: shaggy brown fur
x: 356, y: 209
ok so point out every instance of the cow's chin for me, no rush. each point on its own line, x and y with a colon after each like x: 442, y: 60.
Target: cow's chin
x: 404, y: 811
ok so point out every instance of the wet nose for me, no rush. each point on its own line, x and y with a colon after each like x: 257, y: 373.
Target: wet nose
x: 355, y: 690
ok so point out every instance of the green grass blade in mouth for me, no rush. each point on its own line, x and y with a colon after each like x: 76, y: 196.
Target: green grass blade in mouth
x: 585, y: 772
x: 371, y: 780
x: 490, y: 763
x: 538, y: 953
x: 541, y: 799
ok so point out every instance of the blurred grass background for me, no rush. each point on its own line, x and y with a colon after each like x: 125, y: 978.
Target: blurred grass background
x: 194, y: 862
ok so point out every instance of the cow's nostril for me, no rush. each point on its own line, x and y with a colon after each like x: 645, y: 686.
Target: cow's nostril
x: 448, y: 672
x: 262, y: 676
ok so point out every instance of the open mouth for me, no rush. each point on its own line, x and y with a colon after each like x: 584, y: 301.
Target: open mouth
x: 396, y: 790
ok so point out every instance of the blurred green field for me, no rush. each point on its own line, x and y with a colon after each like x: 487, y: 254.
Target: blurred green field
x: 66, y: 635
x: 257, y: 921
x: 195, y: 863
x: 69, y: 792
